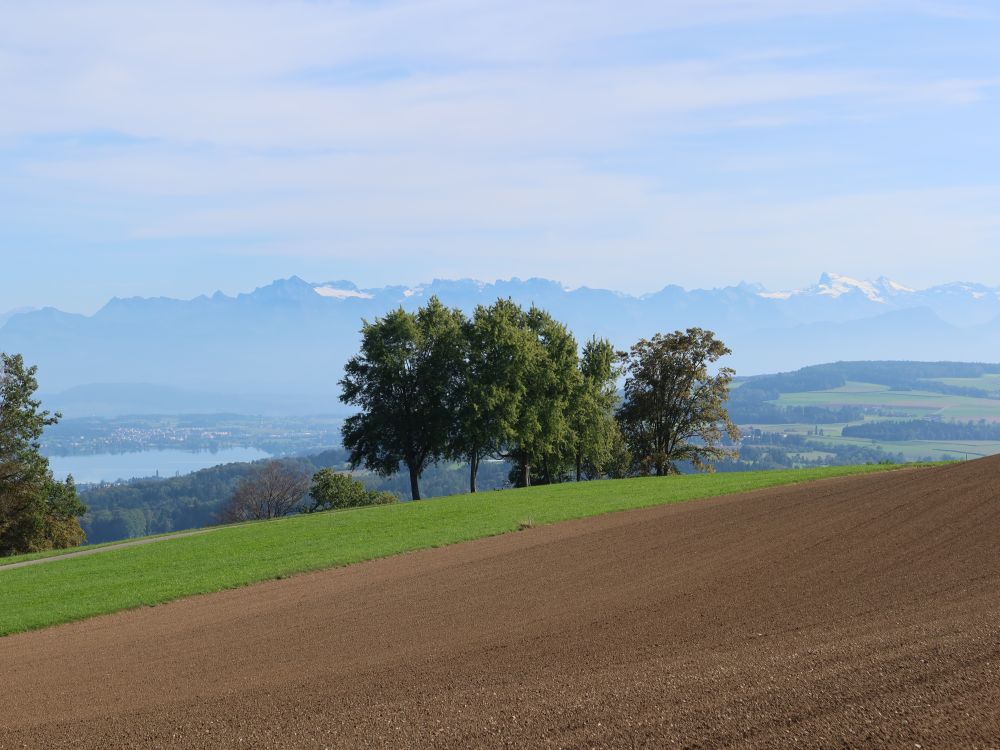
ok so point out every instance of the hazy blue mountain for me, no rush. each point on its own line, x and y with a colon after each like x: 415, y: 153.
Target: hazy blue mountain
x: 5, y: 316
x: 280, y: 348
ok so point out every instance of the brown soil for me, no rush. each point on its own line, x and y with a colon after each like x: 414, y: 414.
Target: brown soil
x: 860, y: 612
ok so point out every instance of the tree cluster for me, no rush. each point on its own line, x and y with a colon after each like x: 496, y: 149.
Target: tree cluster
x: 37, y: 512
x: 505, y: 383
x: 513, y: 384
x: 280, y: 488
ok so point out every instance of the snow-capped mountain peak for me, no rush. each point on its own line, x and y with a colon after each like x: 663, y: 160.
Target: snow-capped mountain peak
x: 887, y: 286
x: 834, y: 285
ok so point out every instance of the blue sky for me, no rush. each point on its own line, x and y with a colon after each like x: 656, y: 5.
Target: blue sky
x: 183, y: 147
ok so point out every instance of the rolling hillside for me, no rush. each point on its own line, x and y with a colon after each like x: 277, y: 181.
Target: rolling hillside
x: 70, y: 587
x: 853, y: 612
x: 922, y: 410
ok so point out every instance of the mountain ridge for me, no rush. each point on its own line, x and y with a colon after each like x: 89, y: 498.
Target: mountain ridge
x: 291, y: 337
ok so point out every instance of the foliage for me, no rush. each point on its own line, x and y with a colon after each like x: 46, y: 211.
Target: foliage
x: 496, y: 358
x: 36, y: 511
x: 230, y: 556
x: 507, y: 383
x: 273, y: 491
x: 674, y: 410
x: 332, y: 490
x: 405, y: 380
x: 595, y: 432
x: 541, y: 438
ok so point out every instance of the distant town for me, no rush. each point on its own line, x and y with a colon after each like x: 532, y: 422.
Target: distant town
x: 276, y: 436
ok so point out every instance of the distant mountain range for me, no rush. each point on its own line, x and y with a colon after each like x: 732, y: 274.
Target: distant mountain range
x: 280, y: 348
x: 5, y: 316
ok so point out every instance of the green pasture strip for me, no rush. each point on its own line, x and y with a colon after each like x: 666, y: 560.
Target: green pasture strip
x: 915, y: 449
x: 114, y: 543
x: 75, y: 588
x: 914, y: 403
x: 57, y: 552
x: 988, y: 382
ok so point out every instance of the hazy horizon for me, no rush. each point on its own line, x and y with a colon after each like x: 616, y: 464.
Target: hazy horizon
x: 813, y: 282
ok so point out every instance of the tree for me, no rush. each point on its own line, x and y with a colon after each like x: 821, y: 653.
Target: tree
x: 332, y: 490
x: 407, y: 381
x: 540, y: 436
x: 273, y: 491
x: 497, y: 352
x: 674, y: 410
x: 592, y: 417
x: 36, y: 511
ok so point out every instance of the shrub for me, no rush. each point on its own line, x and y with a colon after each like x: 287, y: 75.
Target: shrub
x: 333, y: 490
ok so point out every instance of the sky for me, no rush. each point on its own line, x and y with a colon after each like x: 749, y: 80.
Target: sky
x: 178, y: 148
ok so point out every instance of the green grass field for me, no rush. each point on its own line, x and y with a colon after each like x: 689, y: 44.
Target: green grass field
x: 989, y: 383
x: 228, y: 557
x: 911, y: 450
x: 904, y: 404
x: 913, y: 404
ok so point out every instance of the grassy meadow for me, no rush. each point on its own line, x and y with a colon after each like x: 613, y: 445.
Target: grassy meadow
x: 895, y: 404
x: 227, y: 557
x: 909, y: 403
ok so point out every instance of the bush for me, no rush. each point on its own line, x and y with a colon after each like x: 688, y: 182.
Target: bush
x: 332, y: 490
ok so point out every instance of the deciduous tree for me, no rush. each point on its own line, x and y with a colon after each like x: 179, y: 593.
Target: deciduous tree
x: 273, y: 491
x: 592, y: 411
x: 498, y: 350
x: 407, y: 382
x: 674, y: 409
x: 541, y: 437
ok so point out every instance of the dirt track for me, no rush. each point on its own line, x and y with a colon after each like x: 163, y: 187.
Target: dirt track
x: 104, y: 548
x: 860, y: 612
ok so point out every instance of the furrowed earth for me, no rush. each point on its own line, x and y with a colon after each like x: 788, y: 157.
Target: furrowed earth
x: 851, y: 612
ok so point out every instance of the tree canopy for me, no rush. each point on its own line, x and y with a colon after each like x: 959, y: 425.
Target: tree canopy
x: 674, y: 410
x: 335, y: 490
x: 508, y: 383
x: 406, y: 381
x: 37, y: 512
x: 274, y: 490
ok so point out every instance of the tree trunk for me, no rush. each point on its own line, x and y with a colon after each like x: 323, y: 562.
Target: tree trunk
x: 578, y: 462
x: 525, y: 472
x: 545, y: 471
x: 473, y: 471
x: 414, y: 483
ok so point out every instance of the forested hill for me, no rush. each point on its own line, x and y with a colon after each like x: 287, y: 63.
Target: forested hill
x: 912, y: 411
x: 927, y: 376
x: 753, y: 399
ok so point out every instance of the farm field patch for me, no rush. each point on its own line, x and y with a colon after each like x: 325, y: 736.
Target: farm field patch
x: 989, y: 382
x: 913, y: 403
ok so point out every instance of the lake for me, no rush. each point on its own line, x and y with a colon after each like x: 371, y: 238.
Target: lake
x: 108, y: 467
